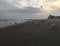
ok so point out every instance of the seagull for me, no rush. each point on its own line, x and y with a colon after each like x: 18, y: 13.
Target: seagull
x: 41, y: 7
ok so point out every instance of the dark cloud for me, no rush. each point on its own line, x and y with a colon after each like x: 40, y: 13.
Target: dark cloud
x: 27, y: 13
x: 26, y: 10
x: 14, y: 9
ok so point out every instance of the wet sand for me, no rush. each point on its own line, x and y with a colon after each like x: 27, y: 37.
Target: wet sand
x: 31, y: 34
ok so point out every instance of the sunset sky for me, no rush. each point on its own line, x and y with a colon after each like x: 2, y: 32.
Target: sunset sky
x: 29, y: 8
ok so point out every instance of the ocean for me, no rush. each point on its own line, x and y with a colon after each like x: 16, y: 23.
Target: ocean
x: 4, y: 23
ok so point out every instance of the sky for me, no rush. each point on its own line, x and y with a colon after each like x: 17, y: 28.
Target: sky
x: 29, y: 9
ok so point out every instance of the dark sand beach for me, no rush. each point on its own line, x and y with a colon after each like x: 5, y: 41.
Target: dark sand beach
x: 31, y: 33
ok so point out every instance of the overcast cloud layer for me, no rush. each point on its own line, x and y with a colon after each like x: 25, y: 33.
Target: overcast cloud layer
x: 29, y: 8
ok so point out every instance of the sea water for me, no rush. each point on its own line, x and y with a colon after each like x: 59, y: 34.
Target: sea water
x: 10, y: 22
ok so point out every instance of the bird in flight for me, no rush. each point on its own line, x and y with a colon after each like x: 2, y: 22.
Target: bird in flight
x: 41, y: 6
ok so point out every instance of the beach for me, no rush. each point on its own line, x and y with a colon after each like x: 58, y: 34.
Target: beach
x: 31, y: 33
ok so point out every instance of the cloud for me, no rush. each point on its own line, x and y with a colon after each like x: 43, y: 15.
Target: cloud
x: 26, y: 10
x: 5, y: 4
x: 30, y: 6
x: 10, y: 4
x: 25, y: 13
x: 56, y: 12
x: 51, y: 5
x: 2, y: 3
x: 51, y: 0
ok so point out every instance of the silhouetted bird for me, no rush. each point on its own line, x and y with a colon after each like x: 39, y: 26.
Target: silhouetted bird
x: 15, y: 22
x: 41, y: 7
